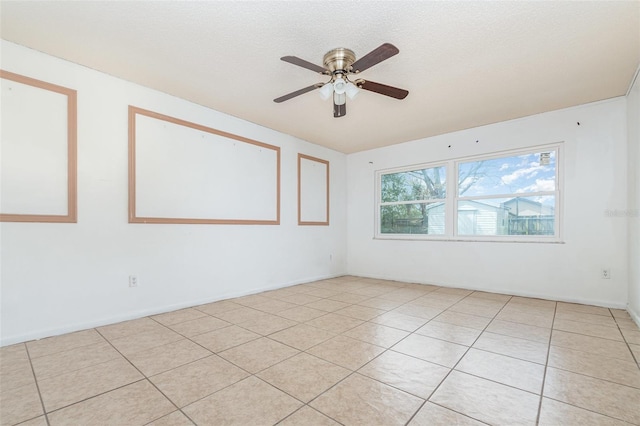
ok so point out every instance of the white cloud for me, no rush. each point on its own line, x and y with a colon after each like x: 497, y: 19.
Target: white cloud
x: 526, y: 173
x: 539, y: 185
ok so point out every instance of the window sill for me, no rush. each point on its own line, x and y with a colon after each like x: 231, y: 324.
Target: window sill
x: 471, y: 240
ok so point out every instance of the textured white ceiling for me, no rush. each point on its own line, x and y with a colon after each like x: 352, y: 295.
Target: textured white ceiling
x: 464, y: 63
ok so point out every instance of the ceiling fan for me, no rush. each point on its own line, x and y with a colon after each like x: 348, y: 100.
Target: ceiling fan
x: 339, y: 64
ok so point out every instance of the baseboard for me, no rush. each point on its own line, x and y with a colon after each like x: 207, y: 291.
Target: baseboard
x: 70, y: 328
x: 635, y: 316
x: 535, y: 295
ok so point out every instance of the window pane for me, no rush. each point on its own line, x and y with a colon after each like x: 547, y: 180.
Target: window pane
x: 425, y: 184
x: 525, y: 173
x: 507, y: 216
x: 421, y: 218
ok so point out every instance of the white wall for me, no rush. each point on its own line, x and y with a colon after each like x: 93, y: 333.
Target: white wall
x: 633, y: 207
x: 62, y: 277
x: 594, y: 167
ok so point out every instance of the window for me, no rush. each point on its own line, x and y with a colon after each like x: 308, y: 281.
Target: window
x: 510, y: 196
x: 412, y: 201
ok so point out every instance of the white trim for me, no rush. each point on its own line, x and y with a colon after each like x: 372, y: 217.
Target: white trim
x: 633, y: 80
x: 635, y: 316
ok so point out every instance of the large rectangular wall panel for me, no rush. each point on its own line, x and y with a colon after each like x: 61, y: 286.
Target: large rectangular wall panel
x: 313, y: 191
x: 37, y: 150
x: 182, y: 172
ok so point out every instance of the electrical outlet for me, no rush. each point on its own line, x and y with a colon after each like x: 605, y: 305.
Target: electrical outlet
x: 133, y: 281
x: 605, y: 274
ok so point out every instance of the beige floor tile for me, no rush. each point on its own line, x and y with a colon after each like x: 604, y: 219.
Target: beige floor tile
x: 478, y: 309
x: 127, y: 328
x: 537, y: 303
x: 74, y: 359
x: 432, y: 350
x: 322, y: 292
x: 250, y: 300
x: 523, y: 331
x: 335, y: 323
x: 401, y: 295
x: 380, y: 303
x: 449, y: 332
x: 304, y: 376
x: 419, y: 311
x: 302, y: 336
x: 166, y: 357
x: 327, y: 305
x: 359, y: 400
x: 191, y: 382
x: 627, y: 324
x: 435, y: 303
x: 514, y: 372
x: 274, y: 306
x: 631, y: 336
x: 399, y: 321
x: 585, y: 309
x: 377, y: 334
x: 596, y: 330
x: 619, y: 313
x: 38, y: 421
x: 14, y: 356
x: 225, y: 338
x: 594, y: 345
x: 64, y: 342
x: 526, y: 350
x: 431, y: 414
x: 19, y: 404
x: 586, y: 318
x: 487, y: 401
x: 181, y: 315
x: 146, y: 340
x: 412, y: 375
x: 346, y: 352
x: 307, y: 416
x: 363, y: 313
x: 258, y: 354
x: 216, y: 308
x: 490, y: 296
x: 15, y: 377
x: 249, y: 402
x: 198, y: 326
x: 268, y: 324
x: 301, y: 299
x: 174, y: 419
x: 611, y: 369
x: 464, y: 320
x: 536, y: 319
x: 65, y: 389
x: 636, y: 351
x: 349, y: 297
x: 453, y: 290
x: 554, y: 413
x: 597, y: 395
x: 301, y: 313
x: 241, y: 315
x: 138, y: 403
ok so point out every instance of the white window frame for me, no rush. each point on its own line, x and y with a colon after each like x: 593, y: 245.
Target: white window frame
x: 452, y: 199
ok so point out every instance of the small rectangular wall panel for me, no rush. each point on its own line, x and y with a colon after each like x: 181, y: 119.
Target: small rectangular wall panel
x: 313, y: 191
x: 37, y: 150
x: 182, y: 172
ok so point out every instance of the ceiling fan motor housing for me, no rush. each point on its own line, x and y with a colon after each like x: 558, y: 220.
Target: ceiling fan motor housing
x: 339, y: 60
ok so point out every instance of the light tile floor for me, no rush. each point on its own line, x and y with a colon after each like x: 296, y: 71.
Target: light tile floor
x: 347, y: 350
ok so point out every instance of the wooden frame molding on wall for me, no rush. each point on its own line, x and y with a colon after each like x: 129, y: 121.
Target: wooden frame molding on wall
x: 133, y: 218
x: 72, y: 140
x: 325, y: 163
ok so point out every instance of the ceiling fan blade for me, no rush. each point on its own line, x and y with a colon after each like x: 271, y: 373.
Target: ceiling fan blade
x: 339, y: 110
x: 383, y: 89
x: 296, y: 93
x: 304, y: 64
x: 376, y: 56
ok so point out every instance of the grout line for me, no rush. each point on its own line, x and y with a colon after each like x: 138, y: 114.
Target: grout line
x: 546, y: 366
x: 624, y: 338
x: 35, y: 380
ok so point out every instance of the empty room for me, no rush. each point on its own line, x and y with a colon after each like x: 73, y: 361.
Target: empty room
x: 319, y: 213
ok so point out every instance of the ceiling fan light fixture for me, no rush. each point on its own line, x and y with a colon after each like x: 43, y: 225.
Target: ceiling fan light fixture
x: 351, y: 90
x: 339, y: 98
x: 340, y: 86
x: 326, y: 91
